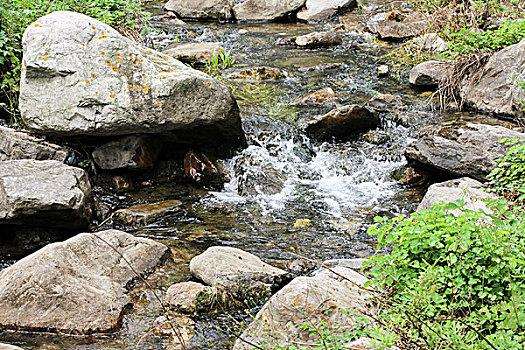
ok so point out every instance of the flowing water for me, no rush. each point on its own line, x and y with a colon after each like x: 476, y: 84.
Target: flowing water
x: 282, y: 177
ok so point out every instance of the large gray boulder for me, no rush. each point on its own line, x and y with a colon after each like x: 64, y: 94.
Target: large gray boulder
x: 266, y: 10
x: 305, y: 300
x: 20, y: 145
x: 342, y: 123
x: 470, y: 151
x: 466, y: 189
x: 494, y: 89
x: 241, y: 273
x: 76, y: 286
x: 219, y: 10
x: 44, y: 193
x: 429, y: 73
x: 317, y: 10
x: 81, y: 77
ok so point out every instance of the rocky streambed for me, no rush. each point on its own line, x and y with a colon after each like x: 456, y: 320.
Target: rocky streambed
x: 329, y: 139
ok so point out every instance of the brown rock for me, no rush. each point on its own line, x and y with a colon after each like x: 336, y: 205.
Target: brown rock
x: 326, y: 95
x: 142, y: 214
x: 258, y: 74
x: 202, y: 170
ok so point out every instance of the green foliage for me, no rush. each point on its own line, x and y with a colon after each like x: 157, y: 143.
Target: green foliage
x: 453, y: 282
x: 509, y: 177
x: 468, y: 41
x: 220, y: 60
x: 126, y: 15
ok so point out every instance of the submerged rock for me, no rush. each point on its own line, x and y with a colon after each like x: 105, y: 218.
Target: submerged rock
x: 462, y: 151
x: 317, y: 10
x: 77, y: 286
x: 142, y: 214
x: 217, y: 10
x: 466, y: 189
x: 194, y: 53
x: 192, y: 297
x: 164, y: 326
x: 323, y: 96
x: 258, y: 74
x: 20, y: 145
x: 383, y: 102
x: 494, y: 89
x: 202, y: 170
x: 342, y: 123
x: 430, y: 73
x: 318, y: 39
x: 44, y: 193
x: 130, y: 152
x: 266, y: 10
x: 258, y: 176
x: 81, y: 77
x: 242, y: 274
x: 305, y: 300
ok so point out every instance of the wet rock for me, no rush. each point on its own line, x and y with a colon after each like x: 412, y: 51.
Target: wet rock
x: 398, y: 28
x: 216, y: 10
x: 383, y: 102
x: 430, y: 73
x: 44, y: 193
x: 342, y: 123
x: 121, y: 183
x: 495, y: 90
x: 258, y: 74
x: 81, y: 77
x: 164, y: 326
x: 202, y: 170
x: 317, y: 10
x: 430, y: 42
x: 376, y: 137
x: 194, y: 53
x: 130, y: 152
x: 318, y: 39
x: 266, y: 10
x: 323, y: 67
x: 382, y: 70
x: 413, y: 176
x: 242, y: 274
x: 280, y: 322
x: 466, y: 189
x: 192, y: 297
x: 20, y: 145
x: 142, y: 214
x: 81, y: 283
x: 462, y: 151
x: 256, y: 176
x: 9, y: 347
x: 323, y: 96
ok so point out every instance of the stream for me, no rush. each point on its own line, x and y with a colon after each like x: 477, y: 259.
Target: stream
x: 300, y: 195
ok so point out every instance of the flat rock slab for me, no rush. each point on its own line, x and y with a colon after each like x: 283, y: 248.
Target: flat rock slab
x: 44, y: 193
x: 218, y: 10
x: 20, y: 145
x: 266, y: 10
x: 318, y: 39
x: 77, y: 286
x: 304, y: 300
x: 496, y: 91
x: 194, y: 53
x: 241, y: 273
x: 466, y: 189
x: 469, y: 151
x: 317, y: 10
x: 342, y: 123
x: 142, y: 214
x: 81, y: 77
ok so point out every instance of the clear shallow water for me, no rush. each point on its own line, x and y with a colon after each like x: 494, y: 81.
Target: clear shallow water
x: 287, y: 177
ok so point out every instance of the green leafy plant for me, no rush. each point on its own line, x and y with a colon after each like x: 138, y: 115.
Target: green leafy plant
x: 509, y: 177
x: 220, y: 60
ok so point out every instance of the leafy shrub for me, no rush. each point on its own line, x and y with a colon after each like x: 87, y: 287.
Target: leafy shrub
x: 453, y: 282
x: 468, y: 41
x: 125, y: 15
x: 509, y: 177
